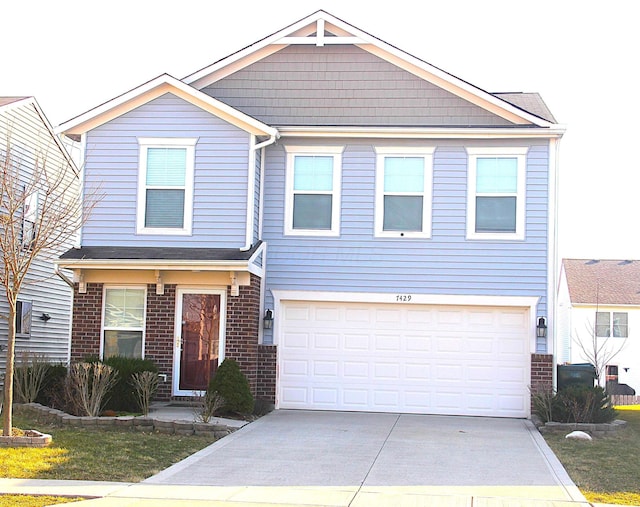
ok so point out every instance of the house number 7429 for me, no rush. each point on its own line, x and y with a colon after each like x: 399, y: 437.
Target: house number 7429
x: 403, y: 298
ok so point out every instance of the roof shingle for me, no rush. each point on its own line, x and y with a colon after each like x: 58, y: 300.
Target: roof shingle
x: 603, y: 282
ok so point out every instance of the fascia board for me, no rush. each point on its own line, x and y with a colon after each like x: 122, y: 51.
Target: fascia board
x: 134, y: 264
x: 423, y: 133
x: 152, y: 90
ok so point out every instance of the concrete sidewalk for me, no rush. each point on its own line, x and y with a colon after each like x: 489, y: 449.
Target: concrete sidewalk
x: 349, y: 459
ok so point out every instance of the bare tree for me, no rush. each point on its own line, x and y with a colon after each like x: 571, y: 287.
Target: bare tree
x: 41, y: 211
x: 598, y: 350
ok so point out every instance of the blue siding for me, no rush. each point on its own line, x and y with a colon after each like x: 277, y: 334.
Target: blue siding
x: 447, y: 263
x: 220, y: 181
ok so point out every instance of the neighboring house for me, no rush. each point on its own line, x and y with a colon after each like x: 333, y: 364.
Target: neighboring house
x: 44, y: 306
x: 359, y: 229
x: 601, y: 297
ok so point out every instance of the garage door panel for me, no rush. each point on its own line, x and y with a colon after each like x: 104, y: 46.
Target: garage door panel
x: 415, y: 359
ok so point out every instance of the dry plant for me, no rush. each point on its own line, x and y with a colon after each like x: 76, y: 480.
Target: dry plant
x: 41, y: 211
x: 90, y: 385
x: 598, y: 350
x: 145, y: 384
x: 29, y: 376
x: 208, y: 405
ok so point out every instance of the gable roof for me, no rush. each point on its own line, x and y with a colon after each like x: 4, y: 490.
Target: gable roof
x: 322, y: 28
x: 153, y: 89
x: 603, y: 282
x: 4, y: 101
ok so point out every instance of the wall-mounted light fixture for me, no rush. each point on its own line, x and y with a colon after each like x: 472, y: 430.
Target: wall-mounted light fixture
x: 46, y: 317
x: 268, y: 320
x: 541, y: 328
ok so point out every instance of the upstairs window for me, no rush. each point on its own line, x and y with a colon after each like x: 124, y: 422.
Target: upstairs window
x: 403, y: 192
x: 615, y: 324
x: 29, y: 220
x: 165, y: 186
x: 313, y: 191
x: 496, y: 191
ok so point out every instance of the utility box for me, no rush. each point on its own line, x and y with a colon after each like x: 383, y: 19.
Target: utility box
x: 579, y: 375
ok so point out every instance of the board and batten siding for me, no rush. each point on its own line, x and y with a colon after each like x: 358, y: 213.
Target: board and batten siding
x: 446, y: 263
x: 342, y: 85
x: 29, y: 136
x: 220, y: 176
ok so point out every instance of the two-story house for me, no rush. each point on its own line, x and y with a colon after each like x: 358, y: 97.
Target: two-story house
x: 359, y: 229
x: 599, y: 317
x: 28, y: 149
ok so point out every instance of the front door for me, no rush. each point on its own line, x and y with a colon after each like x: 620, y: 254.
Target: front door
x: 199, y: 344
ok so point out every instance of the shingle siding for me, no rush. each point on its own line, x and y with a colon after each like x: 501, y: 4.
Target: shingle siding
x: 342, y: 85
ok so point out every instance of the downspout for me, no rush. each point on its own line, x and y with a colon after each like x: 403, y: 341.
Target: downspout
x: 63, y: 277
x: 554, y: 148
x: 251, y: 185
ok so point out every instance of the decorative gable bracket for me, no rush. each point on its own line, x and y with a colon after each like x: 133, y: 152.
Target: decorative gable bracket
x: 320, y: 38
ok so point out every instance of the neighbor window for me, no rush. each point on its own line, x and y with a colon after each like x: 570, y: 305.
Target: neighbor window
x: 165, y: 185
x: 123, y: 322
x: 23, y: 318
x: 403, y: 192
x: 29, y: 219
x: 496, y: 193
x: 614, y: 324
x: 313, y: 190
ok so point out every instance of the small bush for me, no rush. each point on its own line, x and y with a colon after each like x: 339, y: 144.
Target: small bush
x: 90, y: 384
x: 29, y: 376
x: 123, y: 397
x: 145, y: 385
x: 53, y: 386
x: 574, y: 404
x: 230, y: 383
x: 207, y: 405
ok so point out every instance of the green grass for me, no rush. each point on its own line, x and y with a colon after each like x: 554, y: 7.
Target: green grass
x: 606, y: 469
x: 125, y: 455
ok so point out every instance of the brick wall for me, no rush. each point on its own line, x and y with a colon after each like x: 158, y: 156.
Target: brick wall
x: 541, y: 372
x: 242, y: 326
x: 266, y: 388
x: 243, y: 323
x: 87, y: 320
x: 161, y: 310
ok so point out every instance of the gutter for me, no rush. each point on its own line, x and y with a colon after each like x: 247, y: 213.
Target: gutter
x: 64, y: 278
x: 251, y: 185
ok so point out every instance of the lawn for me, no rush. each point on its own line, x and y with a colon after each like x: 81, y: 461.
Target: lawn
x: 607, y: 469
x: 125, y: 455
x: 33, y: 501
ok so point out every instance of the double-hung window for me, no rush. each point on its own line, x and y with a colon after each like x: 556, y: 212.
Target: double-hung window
x: 123, y: 322
x: 165, y: 185
x: 496, y: 193
x: 614, y: 324
x: 313, y: 190
x: 403, y: 192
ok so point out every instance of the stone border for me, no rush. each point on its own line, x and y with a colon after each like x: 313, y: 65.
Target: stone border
x: 595, y: 430
x: 139, y: 423
x: 31, y: 438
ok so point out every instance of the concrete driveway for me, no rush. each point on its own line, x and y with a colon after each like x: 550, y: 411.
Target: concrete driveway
x: 365, y: 459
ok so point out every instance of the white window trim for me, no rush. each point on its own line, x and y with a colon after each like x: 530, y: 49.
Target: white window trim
x: 104, y: 308
x: 21, y: 333
x: 520, y: 153
x: 166, y: 142
x: 292, y: 152
x: 427, y: 154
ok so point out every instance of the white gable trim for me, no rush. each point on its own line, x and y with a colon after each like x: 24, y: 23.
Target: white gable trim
x: 302, y: 33
x: 154, y: 89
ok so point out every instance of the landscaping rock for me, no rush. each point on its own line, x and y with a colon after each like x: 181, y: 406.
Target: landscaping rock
x: 578, y: 435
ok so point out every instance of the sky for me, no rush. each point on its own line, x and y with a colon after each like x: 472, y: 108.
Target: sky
x: 582, y: 57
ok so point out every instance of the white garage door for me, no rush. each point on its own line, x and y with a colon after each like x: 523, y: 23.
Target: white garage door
x: 404, y: 358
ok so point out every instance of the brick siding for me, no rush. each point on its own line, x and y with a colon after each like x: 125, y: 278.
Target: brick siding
x: 541, y: 372
x: 266, y: 388
x: 159, y: 332
x: 87, y: 321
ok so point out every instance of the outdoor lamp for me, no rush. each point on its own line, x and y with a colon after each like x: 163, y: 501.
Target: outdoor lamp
x: 541, y: 328
x: 268, y: 319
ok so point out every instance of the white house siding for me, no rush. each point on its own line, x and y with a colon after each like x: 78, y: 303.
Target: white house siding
x: 581, y: 326
x: 47, y: 292
x: 221, y: 168
x: 447, y: 263
x: 342, y: 85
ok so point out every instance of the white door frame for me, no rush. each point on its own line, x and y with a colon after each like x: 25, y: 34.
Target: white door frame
x: 177, y: 333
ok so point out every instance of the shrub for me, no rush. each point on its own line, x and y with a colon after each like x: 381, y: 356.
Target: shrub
x: 29, y: 376
x: 208, y: 405
x: 123, y: 397
x: 53, y: 386
x: 574, y: 404
x: 90, y: 384
x: 230, y: 383
x: 145, y: 385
